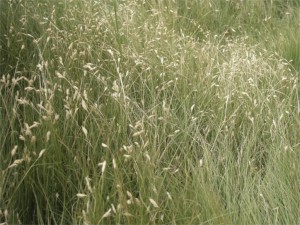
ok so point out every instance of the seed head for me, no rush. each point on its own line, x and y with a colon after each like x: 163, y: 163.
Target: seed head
x: 153, y: 203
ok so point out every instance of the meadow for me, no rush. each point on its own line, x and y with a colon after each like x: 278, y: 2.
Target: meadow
x: 149, y: 112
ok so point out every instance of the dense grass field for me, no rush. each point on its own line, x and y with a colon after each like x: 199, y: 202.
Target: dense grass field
x: 149, y: 112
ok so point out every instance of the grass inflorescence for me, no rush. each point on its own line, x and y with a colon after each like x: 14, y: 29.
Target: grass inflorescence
x: 149, y: 112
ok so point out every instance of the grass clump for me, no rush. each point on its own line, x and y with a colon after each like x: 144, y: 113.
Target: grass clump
x: 137, y: 112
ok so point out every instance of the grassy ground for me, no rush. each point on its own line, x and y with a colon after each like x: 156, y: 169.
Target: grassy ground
x: 149, y: 112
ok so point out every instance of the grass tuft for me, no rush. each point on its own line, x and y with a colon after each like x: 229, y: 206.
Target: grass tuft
x: 138, y: 112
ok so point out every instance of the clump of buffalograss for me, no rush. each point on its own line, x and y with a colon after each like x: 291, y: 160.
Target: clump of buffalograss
x: 136, y: 112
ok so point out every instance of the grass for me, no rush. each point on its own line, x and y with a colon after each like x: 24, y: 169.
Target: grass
x: 149, y: 112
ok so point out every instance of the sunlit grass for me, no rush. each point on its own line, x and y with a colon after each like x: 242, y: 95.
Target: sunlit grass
x: 138, y: 112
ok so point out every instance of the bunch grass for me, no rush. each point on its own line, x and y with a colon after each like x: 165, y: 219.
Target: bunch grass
x: 139, y: 112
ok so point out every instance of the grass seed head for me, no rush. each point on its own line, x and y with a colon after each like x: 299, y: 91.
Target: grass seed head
x: 84, y: 105
x: 80, y: 195
x: 14, y: 150
x: 15, y: 163
x: 33, y: 139
x: 84, y: 130
x: 169, y: 196
x: 41, y: 153
x: 103, y: 165
x: 107, y: 214
x: 104, y: 145
x: 114, y: 163
x: 201, y: 162
x: 48, y: 136
x: 153, y: 203
x: 88, y: 184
